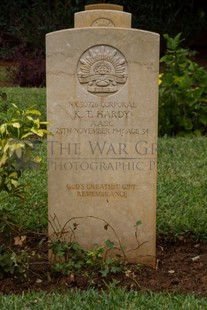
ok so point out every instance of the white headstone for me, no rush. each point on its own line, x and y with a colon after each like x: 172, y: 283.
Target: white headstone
x: 102, y: 103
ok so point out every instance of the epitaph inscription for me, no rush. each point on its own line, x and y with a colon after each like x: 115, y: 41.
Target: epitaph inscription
x: 102, y: 70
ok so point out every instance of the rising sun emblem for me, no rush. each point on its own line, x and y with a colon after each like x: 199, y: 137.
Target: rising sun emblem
x: 102, y: 70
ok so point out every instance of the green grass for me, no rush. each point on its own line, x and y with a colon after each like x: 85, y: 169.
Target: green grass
x: 182, y: 186
x: 114, y: 299
x: 31, y: 213
x: 27, y: 97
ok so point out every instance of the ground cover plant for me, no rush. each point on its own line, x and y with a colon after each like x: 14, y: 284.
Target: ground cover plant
x: 181, y: 226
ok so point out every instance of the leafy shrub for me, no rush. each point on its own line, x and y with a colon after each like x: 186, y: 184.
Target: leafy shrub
x: 18, y: 128
x: 6, y: 46
x: 183, y: 92
x: 30, y: 67
x: 28, y: 21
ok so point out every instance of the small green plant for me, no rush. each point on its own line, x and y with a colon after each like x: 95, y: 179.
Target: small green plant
x: 183, y: 92
x: 12, y: 262
x: 18, y: 130
x: 71, y: 258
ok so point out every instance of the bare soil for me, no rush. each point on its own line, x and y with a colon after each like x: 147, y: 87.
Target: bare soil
x: 181, y: 267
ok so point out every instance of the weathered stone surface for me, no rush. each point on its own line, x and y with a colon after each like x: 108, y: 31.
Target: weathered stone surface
x: 100, y: 18
x: 102, y: 95
x: 104, y: 6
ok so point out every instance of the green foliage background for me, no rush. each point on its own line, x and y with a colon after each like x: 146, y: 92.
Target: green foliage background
x: 27, y: 21
x: 183, y: 92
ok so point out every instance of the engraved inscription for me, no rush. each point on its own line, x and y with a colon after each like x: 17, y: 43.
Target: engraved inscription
x: 100, y: 129
x: 102, y: 22
x: 102, y: 166
x: 105, y: 148
x: 102, y: 70
x: 102, y: 190
x: 102, y: 105
x: 102, y: 156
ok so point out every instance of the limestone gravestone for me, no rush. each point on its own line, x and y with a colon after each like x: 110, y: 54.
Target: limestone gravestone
x: 102, y: 104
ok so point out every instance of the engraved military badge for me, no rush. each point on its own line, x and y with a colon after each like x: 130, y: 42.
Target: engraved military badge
x: 102, y: 22
x: 102, y: 70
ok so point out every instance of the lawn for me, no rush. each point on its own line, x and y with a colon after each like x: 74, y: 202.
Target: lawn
x: 114, y: 299
x: 181, y: 212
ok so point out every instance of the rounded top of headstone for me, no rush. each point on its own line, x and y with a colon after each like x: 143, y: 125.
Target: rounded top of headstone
x: 103, y: 15
x: 104, y: 6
